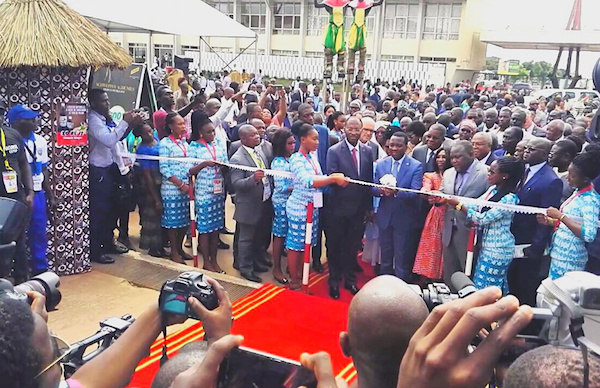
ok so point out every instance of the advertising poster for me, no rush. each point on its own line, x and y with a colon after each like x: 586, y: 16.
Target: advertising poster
x: 72, y: 128
x: 509, y: 67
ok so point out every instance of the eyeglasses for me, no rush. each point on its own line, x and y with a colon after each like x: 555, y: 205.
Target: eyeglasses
x: 61, y: 350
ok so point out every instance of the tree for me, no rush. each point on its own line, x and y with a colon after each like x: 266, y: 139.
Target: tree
x: 539, y: 71
x: 491, y: 63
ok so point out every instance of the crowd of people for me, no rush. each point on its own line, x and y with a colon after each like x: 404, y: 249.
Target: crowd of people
x: 456, y: 141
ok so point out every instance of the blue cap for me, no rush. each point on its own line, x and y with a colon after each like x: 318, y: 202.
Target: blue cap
x: 20, y: 112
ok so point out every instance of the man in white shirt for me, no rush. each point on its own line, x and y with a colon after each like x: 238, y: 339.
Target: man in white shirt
x: 234, y: 112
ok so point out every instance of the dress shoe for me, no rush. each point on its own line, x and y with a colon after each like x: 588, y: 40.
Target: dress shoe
x: 317, y: 267
x: 252, y: 277
x: 126, y: 242
x: 334, y: 292
x: 223, y: 245
x: 188, y: 242
x: 160, y: 253
x: 104, y: 259
x: 352, y: 288
x: 118, y: 248
x: 260, y: 268
x: 226, y: 231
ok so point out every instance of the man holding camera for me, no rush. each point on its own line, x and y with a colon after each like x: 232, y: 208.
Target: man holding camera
x: 16, y: 184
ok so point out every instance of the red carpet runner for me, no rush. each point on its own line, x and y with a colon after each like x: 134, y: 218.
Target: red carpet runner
x: 318, y: 285
x: 276, y: 321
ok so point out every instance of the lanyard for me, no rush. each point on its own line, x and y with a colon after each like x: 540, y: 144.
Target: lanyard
x: 575, y: 195
x: 212, y: 153
x: 311, y: 162
x: 34, y: 153
x: 3, y: 140
x: 183, y: 149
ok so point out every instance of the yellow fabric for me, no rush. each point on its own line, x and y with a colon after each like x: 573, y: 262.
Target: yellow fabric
x: 235, y: 77
x: 3, y: 144
x: 173, y: 78
x: 359, y: 17
x: 338, y: 16
x: 356, y: 38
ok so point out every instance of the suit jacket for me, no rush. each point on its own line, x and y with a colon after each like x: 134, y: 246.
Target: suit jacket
x: 248, y: 193
x: 299, y: 96
x: 544, y: 189
x: 491, y: 159
x: 353, y: 200
x: 420, y: 153
x: 400, y: 210
x: 473, y: 188
x: 266, y: 147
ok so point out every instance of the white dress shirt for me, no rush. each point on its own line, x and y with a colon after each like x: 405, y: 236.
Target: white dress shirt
x: 533, y: 170
x: 485, y: 158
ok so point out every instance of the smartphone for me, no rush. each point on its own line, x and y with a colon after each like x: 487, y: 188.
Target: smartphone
x: 245, y: 367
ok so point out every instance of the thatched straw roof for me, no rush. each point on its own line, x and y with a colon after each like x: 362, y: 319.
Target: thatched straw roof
x: 48, y: 33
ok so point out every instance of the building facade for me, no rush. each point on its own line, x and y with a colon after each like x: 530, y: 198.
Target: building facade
x: 418, y: 31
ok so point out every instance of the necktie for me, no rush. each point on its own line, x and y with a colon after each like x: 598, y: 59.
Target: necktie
x: 354, y: 159
x: 458, y: 182
x: 395, y: 168
x: 258, y: 160
x: 266, y: 185
x: 524, y: 180
x: 429, y: 156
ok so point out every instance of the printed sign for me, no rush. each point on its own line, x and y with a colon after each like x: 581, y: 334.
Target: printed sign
x: 72, y: 127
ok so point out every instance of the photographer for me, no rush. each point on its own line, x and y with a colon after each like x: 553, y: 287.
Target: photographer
x: 31, y: 354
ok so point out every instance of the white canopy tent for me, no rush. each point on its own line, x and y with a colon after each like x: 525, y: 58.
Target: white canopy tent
x: 129, y: 16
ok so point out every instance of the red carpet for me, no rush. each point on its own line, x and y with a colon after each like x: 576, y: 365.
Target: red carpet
x: 277, y: 321
x: 318, y: 285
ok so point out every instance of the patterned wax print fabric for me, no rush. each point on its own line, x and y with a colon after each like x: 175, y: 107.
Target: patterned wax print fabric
x: 210, y: 188
x: 281, y: 193
x: 568, y: 252
x: 176, y: 213
x: 303, y: 193
x: 497, y: 242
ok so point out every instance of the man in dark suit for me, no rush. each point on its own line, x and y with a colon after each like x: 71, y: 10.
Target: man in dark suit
x: 301, y: 94
x: 253, y: 111
x: 435, y: 139
x: 482, y: 148
x: 540, y: 187
x: 466, y: 178
x: 348, y: 207
x: 253, y: 207
x: 396, y: 209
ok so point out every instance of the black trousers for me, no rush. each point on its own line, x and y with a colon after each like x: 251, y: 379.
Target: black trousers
x: 344, y: 235
x: 102, y: 209
x: 525, y: 276
x: 252, y: 249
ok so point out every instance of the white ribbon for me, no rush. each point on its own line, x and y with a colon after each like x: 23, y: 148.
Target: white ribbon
x: 479, y: 203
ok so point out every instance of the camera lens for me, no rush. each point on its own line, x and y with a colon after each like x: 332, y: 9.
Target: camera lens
x: 46, y: 284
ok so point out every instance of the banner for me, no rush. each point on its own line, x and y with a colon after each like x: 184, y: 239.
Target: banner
x: 509, y: 67
x: 72, y: 128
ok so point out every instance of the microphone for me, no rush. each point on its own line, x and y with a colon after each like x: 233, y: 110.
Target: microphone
x: 462, y: 284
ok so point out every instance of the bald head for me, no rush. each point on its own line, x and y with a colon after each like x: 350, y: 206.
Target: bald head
x: 555, y: 130
x: 382, y: 318
x: 429, y: 119
x: 249, y: 135
x: 212, y: 106
x: 228, y: 93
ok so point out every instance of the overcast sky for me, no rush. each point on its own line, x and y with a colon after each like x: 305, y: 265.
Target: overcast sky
x: 540, y: 15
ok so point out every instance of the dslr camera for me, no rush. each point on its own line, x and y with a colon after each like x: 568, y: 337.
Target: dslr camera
x: 439, y: 293
x: 174, y: 294
x: 46, y: 284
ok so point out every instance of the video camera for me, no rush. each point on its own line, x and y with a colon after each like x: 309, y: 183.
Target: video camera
x: 174, y: 294
x: 439, y: 293
x: 110, y: 330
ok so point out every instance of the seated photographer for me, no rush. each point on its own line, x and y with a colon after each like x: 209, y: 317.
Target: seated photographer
x: 31, y: 354
x: 382, y: 318
x: 551, y: 366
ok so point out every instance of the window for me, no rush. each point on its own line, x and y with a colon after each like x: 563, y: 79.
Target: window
x: 138, y: 51
x: 442, y: 21
x: 285, y: 53
x: 401, y: 20
x: 254, y: 16
x: 437, y: 59
x: 313, y: 54
x: 318, y: 18
x: 286, y: 18
x: 185, y: 48
x: 397, y: 58
x: 226, y: 50
x: 225, y: 7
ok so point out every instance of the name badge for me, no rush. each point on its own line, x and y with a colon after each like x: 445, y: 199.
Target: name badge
x: 217, y: 186
x: 37, y: 182
x: 318, y: 199
x: 10, y: 181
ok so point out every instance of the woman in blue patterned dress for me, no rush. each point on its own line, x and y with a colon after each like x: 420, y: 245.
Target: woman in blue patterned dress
x: 209, y: 191
x: 174, y: 189
x: 284, y: 145
x: 497, y: 242
x: 567, y: 251
x: 308, y: 179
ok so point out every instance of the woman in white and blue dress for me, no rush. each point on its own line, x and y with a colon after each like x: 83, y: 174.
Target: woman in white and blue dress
x: 209, y: 191
x: 567, y: 251
x: 497, y: 242
x: 284, y: 145
x: 174, y: 188
x: 308, y: 179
